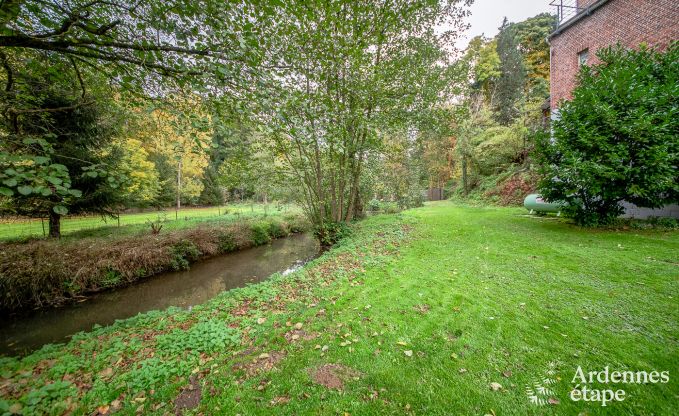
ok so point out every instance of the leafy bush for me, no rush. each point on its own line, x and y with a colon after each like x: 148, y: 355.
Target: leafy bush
x: 227, y: 243
x: 374, y: 205
x: 111, y: 278
x: 260, y: 233
x: 331, y: 233
x: 278, y: 229
x: 183, y: 253
x: 617, y: 139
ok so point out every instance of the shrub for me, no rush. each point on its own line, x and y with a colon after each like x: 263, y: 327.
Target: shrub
x: 111, y: 278
x: 183, y: 253
x: 331, y: 233
x: 617, y: 139
x: 278, y: 229
x: 374, y: 205
x: 260, y: 233
x: 227, y: 243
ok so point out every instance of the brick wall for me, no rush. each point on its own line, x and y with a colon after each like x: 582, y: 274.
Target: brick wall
x: 584, y: 3
x: 629, y: 22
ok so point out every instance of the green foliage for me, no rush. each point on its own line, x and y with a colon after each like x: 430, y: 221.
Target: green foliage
x: 330, y: 233
x: 617, y: 139
x: 277, y: 229
x: 260, y: 233
x: 227, y: 243
x: 509, y: 89
x: 207, y: 336
x: 111, y: 278
x: 49, y: 399
x: 183, y: 253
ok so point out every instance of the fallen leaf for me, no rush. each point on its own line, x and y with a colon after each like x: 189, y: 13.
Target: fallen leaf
x: 553, y: 400
x: 261, y: 320
x: 463, y: 370
x: 402, y: 343
x: 263, y: 356
x: 15, y: 408
x: 103, y: 409
x: 453, y: 356
x: 507, y: 373
x: 298, y: 325
x: 106, y: 372
x: 408, y: 353
x: 495, y: 386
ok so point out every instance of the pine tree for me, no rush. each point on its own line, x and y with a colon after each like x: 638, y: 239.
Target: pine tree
x: 509, y: 90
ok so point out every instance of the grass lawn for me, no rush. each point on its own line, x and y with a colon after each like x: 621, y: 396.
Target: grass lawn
x: 418, y: 313
x: 130, y: 223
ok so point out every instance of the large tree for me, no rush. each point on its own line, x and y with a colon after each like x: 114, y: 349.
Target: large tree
x: 510, y: 84
x: 96, y: 49
x: 353, y: 68
x: 58, y: 155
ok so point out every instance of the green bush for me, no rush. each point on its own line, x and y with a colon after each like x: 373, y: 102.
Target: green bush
x: 260, y: 233
x: 331, y: 232
x: 183, y: 253
x: 618, y: 138
x: 278, y: 229
x: 227, y: 243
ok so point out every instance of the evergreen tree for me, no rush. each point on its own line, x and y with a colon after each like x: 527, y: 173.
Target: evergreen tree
x: 510, y: 85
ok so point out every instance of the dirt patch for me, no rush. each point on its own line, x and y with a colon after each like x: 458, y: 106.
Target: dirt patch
x: 300, y: 334
x: 422, y: 309
x: 264, y: 362
x: 333, y: 376
x: 189, y: 398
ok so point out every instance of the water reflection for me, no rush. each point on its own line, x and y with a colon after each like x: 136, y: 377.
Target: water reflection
x: 204, y: 281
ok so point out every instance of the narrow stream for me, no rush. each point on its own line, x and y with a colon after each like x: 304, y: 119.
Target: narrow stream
x: 206, y: 279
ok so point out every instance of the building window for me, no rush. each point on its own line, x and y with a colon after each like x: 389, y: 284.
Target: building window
x: 583, y: 56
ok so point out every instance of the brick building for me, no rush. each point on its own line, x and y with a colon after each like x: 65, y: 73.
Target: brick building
x: 586, y: 26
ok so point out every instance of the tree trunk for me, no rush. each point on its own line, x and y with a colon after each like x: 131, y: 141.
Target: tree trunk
x: 465, y: 186
x: 55, y: 224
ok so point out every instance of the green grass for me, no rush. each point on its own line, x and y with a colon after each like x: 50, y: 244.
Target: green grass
x: 473, y: 295
x: 95, y: 225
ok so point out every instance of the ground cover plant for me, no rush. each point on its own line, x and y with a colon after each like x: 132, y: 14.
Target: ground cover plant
x: 440, y: 310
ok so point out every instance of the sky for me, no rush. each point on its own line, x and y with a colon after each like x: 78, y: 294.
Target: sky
x: 487, y: 15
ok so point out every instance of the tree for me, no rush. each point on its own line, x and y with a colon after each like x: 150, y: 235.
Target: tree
x: 510, y: 85
x: 531, y: 35
x: 142, y: 186
x: 54, y: 162
x: 484, y: 65
x: 618, y: 139
x: 138, y: 43
x: 134, y: 49
x: 353, y: 67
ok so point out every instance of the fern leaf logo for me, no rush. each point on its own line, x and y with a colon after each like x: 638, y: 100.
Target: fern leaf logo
x: 538, y: 391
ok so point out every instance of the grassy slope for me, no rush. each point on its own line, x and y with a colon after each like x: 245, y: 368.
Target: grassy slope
x: 485, y: 290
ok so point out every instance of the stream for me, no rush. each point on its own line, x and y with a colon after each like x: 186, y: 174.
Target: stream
x: 25, y: 333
